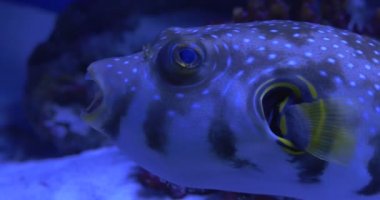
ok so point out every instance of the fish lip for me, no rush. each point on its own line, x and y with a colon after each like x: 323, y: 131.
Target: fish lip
x: 95, y: 110
x: 97, y: 97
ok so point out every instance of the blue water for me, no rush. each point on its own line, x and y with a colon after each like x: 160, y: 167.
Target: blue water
x: 53, y: 5
x: 22, y: 28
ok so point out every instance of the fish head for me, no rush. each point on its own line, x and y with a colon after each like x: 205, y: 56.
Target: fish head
x: 179, y: 92
x: 173, y: 71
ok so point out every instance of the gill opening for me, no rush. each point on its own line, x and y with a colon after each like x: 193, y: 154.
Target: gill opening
x: 275, y: 95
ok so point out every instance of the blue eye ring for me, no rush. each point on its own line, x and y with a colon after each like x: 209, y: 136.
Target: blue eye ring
x: 183, y: 62
x: 187, y: 56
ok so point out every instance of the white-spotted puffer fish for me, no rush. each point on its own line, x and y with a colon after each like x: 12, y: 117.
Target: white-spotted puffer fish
x: 277, y: 108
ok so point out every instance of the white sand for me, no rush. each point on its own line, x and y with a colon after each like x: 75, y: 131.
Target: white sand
x: 102, y: 174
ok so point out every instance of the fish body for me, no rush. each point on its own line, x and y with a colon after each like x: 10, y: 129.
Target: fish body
x: 277, y: 107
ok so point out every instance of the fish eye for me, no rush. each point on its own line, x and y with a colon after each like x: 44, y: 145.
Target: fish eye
x: 187, y: 57
x: 182, y: 63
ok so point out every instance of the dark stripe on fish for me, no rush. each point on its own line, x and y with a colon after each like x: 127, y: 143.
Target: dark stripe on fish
x: 155, y: 127
x: 112, y: 125
x: 223, y: 140
x: 373, y: 187
x: 310, y: 168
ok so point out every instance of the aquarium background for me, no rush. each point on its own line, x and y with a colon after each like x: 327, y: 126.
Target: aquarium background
x: 46, y: 151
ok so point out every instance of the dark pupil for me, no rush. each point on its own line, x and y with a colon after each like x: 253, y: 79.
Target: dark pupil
x: 188, y: 55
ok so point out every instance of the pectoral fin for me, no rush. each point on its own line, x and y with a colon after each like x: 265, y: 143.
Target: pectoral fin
x: 321, y: 129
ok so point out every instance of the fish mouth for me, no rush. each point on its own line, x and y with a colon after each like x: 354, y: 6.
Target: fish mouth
x: 96, y: 106
x: 96, y: 95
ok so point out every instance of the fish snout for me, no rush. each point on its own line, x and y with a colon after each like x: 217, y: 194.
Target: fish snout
x: 110, y: 85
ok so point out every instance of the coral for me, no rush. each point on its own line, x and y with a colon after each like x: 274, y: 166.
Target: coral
x: 157, y: 184
x: 361, y: 16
